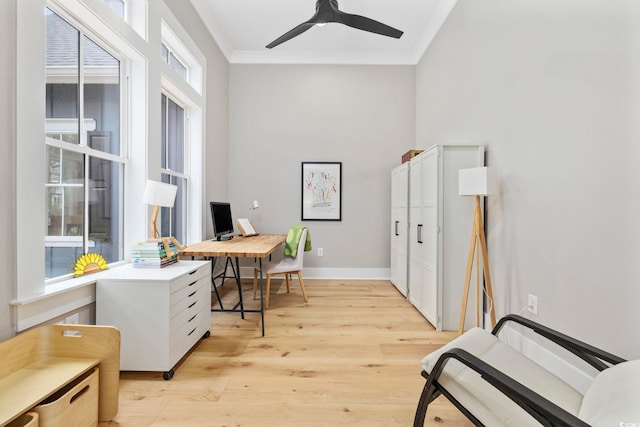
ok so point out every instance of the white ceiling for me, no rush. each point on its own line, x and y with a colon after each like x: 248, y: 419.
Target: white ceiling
x: 242, y: 29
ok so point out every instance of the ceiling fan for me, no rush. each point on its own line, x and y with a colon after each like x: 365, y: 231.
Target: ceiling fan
x: 327, y: 11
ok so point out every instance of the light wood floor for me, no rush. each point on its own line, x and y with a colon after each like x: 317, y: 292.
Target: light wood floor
x: 350, y: 357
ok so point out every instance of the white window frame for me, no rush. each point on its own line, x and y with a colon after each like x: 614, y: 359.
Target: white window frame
x: 138, y: 40
x: 82, y: 147
x: 186, y: 167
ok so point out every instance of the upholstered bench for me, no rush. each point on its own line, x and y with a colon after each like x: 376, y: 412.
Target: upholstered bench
x: 495, y: 385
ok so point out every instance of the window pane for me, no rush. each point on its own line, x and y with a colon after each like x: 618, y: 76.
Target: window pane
x: 65, y: 211
x: 62, y: 77
x: 164, y: 52
x: 175, y: 136
x: 104, y: 207
x: 101, y: 98
x: 117, y: 6
x: 172, y: 220
x: 177, y: 65
x: 73, y: 214
x: 163, y: 130
x: 72, y: 167
x: 54, y: 165
x: 54, y: 209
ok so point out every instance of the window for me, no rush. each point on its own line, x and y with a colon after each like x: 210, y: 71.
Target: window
x: 172, y: 166
x: 170, y: 58
x: 117, y: 6
x: 84, y: 167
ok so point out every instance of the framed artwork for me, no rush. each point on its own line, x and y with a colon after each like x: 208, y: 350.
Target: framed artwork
x: 322, y: 191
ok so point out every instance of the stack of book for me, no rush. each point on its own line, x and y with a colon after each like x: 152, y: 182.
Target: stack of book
x: 154, y: 254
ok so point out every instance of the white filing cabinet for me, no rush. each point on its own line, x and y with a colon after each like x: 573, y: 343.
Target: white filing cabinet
x: 161, y: 312
x: 440, y: 224
x: 399, y: 226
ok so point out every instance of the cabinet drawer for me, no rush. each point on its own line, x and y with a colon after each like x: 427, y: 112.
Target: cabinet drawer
x: 200, y: 291
x: 186, y: 329
x: 190, y: 277
x: 183, y: 346
x: 186, y: 316
x: 187, y: 289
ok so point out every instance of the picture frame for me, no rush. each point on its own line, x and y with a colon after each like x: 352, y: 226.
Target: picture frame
x: 321, y: 191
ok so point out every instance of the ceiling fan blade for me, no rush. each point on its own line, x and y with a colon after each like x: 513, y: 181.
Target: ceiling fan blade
x: 367, y: 24
x: 291, y: 34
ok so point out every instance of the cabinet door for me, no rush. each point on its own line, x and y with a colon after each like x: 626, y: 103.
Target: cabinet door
x: 415, y: 230
x: 399, y: 227
x: 429, y: 262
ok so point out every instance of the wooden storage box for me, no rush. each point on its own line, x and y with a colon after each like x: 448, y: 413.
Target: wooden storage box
x: 410, y: 154
x: 26, y: 420
x: 74, y: 405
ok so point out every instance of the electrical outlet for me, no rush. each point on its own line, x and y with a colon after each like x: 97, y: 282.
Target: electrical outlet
x: 320, y: 252
x: 532, y: 304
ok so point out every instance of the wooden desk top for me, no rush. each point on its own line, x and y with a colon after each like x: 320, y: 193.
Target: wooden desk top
x: 259, y: 246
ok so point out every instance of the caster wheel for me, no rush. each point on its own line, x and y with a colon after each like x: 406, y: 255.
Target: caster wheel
x: 168, y: 375
x: 206, y: 334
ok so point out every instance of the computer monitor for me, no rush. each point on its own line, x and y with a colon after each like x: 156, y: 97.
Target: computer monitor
x: 222, y: 220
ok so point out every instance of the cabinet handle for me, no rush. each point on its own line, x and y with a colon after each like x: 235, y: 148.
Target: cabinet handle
x: 420, y: 233
x: 193, y: 272
x: 397, y: 222
x: 194, y: 329
x: 192, y: 294
x: 194, y: 316
x: 194, y: 303
x: 191, y: 284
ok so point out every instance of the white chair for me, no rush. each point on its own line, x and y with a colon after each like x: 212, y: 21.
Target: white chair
x: 494, y: 385
x: 287, y: 266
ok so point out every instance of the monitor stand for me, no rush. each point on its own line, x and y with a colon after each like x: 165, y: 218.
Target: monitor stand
x: 224, y: 238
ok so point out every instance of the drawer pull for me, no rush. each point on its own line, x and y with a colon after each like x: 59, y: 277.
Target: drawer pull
x: 193, y: 283
x: 194, y: 316
x: 194, y: 329
x: 80, y: 393
x: 193, y: 272
x: 192, y: 294
x: 194, y: 303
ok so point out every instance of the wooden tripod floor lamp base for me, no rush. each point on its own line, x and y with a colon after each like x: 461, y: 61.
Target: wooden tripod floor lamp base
x: 477, y: 182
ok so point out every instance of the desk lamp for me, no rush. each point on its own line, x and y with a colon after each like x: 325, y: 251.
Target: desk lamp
x: 160, y: 194
x: 477, y: 182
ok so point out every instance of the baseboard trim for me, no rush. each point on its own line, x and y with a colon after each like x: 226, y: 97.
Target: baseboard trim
x: 334, y: 273
x: 575, y: 377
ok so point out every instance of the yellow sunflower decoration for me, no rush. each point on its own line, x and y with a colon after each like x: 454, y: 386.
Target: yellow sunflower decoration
x: 89, y: 263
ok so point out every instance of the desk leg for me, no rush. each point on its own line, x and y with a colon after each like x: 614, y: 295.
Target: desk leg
x: 213, y: 280
x: 261, y: 296
x: 237, y: 272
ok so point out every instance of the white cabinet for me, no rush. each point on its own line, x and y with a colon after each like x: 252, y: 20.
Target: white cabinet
x: 399, y: 226
x: 440, y: 223
x: 161, y: 312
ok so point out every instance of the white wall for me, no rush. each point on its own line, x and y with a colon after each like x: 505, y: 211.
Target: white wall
x: 280, y: 116
x: 7, y: 134
x: 552, y: 87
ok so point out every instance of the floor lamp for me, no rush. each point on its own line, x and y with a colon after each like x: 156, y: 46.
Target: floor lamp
x: 477, y: 182
x: 160, y: 194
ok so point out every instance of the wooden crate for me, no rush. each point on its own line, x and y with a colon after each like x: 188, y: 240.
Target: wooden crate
x: 75, y: 405
x: 410, y: 154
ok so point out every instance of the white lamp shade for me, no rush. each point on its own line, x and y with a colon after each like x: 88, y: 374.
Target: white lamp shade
x: 255, y: 204
x: 160, y: 194
x: 477, y: 182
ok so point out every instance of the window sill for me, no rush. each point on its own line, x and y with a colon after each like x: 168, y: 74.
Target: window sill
x: 58, y: 300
